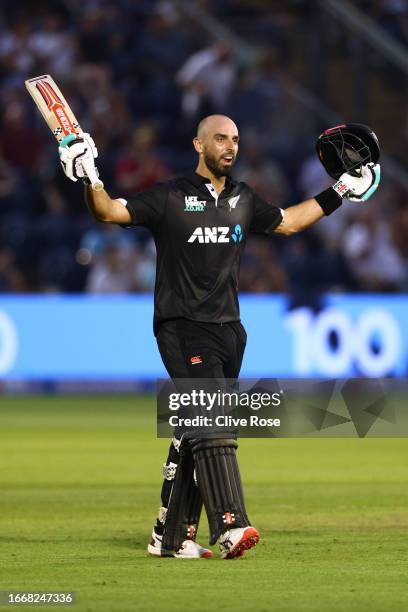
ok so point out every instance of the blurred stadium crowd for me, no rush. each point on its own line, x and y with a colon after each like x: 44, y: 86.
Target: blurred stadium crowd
x: 139, y: 75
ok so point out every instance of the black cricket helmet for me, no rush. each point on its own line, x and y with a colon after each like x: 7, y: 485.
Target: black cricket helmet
x: 347, y: 147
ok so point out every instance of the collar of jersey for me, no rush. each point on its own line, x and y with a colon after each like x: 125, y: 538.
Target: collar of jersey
x: 200, y: 181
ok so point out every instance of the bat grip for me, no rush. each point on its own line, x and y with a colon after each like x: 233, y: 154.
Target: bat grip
x: 89, y: 168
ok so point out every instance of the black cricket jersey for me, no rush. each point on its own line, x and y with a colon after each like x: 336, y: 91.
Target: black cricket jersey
x: 200, y: 240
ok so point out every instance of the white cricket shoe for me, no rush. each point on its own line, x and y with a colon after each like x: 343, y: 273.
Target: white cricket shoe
x: 234, y: 542
x: 188, y: 550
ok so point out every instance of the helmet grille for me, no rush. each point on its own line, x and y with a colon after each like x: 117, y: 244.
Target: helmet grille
x: 346, y: 147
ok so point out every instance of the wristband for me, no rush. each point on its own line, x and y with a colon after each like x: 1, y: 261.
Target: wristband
x: 329, y: 200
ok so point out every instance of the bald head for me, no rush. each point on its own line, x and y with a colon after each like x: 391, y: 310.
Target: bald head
x: 217, y: 145
x: 213, y: 124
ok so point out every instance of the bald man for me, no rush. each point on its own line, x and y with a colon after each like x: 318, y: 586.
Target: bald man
x: 200, y: 223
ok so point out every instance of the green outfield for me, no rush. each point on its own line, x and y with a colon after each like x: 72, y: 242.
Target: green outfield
x: 79, y: 489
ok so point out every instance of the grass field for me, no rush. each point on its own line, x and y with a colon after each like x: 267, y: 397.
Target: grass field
x: 79, y: 489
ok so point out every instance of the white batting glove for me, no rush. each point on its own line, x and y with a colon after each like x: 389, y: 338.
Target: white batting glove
x: 359, y: 188
x: 77, y: 156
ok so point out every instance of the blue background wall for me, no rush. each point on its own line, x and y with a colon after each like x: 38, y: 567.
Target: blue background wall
x: 93, y: 338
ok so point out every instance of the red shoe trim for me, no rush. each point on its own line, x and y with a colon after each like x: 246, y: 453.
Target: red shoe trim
x: 250, y: 538
x: 207, y: 554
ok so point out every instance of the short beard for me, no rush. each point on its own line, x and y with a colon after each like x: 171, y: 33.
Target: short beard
x: 215, y: 168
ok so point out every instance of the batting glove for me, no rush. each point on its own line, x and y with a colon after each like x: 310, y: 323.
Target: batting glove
x: 77, y: 155
x: 359, y: 188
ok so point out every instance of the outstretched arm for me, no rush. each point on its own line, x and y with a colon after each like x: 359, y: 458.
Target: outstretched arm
x: 299, y: 217
x: 355, y: 188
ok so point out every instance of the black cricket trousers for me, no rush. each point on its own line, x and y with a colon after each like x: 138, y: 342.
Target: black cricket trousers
x: 190, y: 349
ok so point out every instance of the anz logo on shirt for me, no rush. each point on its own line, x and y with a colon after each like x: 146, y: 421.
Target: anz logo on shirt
x: 206, y: 235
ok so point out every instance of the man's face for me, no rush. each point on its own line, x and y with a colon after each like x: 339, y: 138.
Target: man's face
x: 220, y: 147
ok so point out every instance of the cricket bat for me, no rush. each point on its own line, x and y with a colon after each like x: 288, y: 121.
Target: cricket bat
x: 59, y: 116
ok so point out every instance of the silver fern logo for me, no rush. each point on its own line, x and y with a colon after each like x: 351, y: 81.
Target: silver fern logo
x: 233, y: 202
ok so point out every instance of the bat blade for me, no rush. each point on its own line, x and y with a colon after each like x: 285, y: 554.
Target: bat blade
x: 57, y: 114
x: 53, y: 106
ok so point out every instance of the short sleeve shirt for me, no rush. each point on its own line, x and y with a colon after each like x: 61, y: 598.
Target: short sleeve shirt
x: 200, y: 240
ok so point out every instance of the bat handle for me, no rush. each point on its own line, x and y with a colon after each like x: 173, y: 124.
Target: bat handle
x: 96, y: 183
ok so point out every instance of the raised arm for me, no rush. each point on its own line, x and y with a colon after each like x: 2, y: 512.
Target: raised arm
x: 78, y: 161
x: 103, y: 208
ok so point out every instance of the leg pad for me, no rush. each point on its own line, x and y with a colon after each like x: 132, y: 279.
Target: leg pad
x: 220, y: 484
x: 184, y: 505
